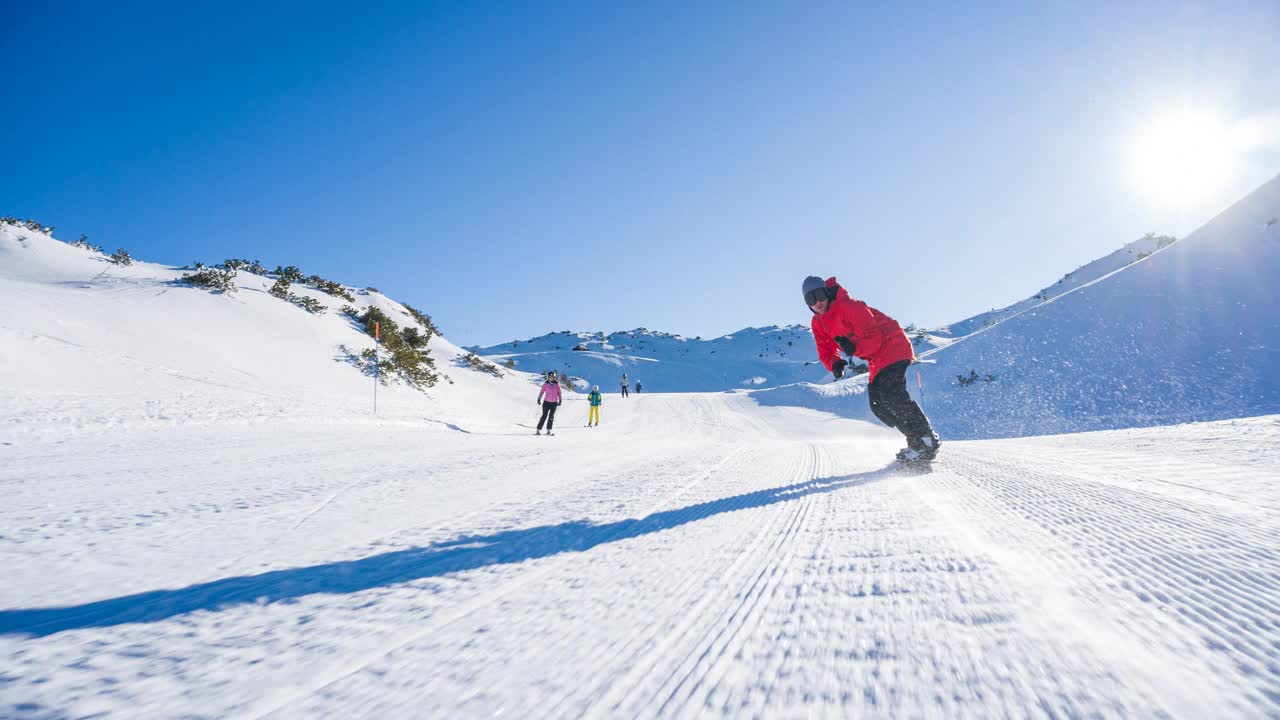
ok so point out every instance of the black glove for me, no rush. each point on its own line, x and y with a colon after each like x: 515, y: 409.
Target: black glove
x: 846, y: 345
x: 837, y: 368
x: 558, y: 403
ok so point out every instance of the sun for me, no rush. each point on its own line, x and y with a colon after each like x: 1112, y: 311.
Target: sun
x: 1183, y: 157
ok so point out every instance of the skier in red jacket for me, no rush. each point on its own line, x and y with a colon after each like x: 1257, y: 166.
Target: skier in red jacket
x: 842, y: 324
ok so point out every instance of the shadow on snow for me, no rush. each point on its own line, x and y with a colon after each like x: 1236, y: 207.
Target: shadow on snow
x: 456, y: 555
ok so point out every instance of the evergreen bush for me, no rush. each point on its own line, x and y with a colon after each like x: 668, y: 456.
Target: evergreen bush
x: 311, y: 305
x: 423, y: 319
x: 330, y: 287
x: 475, y: 362
x: 413, y: 338
x: 290, y: 273
x: 414, y: 365
x: 84, y: 244
x: 280, y: 289
x: 213, y: 279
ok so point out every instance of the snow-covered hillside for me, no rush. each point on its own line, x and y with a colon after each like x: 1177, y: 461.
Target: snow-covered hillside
x: 1081, y: 276
x: 1189, y: 333
x: 662, y: 362
x: 86, y: 343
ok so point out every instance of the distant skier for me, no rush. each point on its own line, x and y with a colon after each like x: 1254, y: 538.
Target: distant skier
x: 594, y: 399
x: 841, y: 323
x: 639, y: 387
x: 624, y: 383
x: 549, y: 399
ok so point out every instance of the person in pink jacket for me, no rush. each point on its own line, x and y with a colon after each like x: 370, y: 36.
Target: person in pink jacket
x: 549, y: 399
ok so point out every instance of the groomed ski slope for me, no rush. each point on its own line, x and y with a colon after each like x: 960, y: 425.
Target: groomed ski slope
x: 697, y: 555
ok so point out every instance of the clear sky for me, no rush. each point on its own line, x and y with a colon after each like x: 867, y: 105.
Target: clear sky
x: 519, y: 168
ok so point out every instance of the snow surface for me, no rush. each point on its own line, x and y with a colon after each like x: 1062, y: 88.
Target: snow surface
x: 204, y: 517
x: 696, y: 555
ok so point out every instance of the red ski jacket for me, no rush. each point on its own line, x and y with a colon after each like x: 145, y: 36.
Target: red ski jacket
x: 877, y: 338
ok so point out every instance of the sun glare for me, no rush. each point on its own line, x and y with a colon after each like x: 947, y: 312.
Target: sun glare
x: 1182, y: 157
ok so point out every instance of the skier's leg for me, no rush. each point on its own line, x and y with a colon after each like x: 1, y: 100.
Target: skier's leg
x: 879, y: 407
x: 912, y: 421
x: 551, y: 418
x: 545, y: 409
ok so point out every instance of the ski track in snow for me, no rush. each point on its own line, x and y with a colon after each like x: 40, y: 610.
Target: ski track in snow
x: 698, y: 555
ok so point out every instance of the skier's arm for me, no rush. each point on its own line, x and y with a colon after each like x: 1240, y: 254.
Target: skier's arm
x: 828, y: 351
x: 541, y: 392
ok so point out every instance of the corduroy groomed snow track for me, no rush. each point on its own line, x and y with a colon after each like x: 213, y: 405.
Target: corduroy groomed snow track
x: 698, y: 555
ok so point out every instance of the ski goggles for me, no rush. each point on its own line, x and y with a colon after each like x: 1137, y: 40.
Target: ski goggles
x: 813, y: 297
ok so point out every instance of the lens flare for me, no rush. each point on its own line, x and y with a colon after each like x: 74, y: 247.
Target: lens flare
x: 1183, y: 157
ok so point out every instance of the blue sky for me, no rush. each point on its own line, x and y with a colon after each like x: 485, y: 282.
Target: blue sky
x: 519, y: 168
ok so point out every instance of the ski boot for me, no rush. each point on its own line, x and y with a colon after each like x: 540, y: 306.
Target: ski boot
x: 921, y: 449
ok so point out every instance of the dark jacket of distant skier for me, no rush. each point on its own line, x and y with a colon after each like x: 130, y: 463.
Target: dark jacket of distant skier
x: 843, y: 324
x: 549, y: 399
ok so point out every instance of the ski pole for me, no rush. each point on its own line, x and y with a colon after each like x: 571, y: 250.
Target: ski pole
x: 920, y: 385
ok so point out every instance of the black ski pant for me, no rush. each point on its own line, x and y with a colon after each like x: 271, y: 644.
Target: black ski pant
x: 893, y: 405
x: 548, y: 414
x: 624, y: 391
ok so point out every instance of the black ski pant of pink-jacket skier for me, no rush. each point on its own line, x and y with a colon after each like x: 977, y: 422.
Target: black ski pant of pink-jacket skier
x: 548, y: 414
x: 891, y: 402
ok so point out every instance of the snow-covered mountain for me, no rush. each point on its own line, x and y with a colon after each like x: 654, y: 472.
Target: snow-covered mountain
x: 662, y: 362
x: 1190, y: 332
x: 756, y: 357
x: 88, y: 343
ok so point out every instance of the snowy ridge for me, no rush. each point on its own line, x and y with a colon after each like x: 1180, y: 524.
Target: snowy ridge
x: 662, y: 362
x: 1081, y: 276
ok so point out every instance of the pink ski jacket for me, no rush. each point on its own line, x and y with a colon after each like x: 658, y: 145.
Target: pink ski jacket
x: 550, y: 392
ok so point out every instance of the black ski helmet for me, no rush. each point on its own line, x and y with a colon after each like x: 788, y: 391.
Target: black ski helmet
x: 815, y: 289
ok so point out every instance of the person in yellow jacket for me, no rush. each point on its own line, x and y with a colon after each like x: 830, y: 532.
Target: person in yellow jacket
x: 593, y: 415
